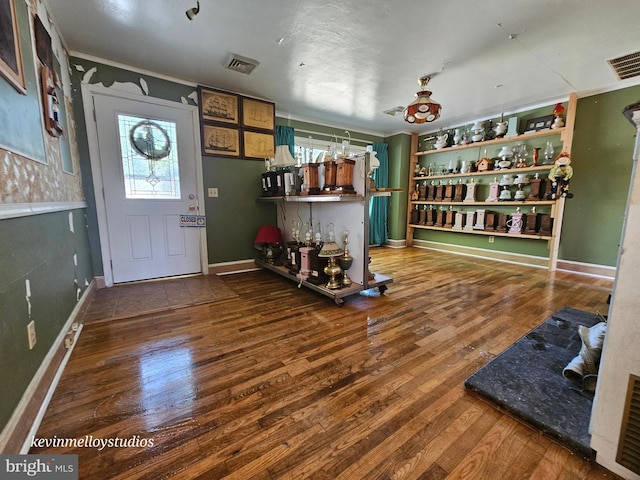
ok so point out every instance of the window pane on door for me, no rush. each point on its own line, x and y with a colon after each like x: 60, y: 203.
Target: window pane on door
x: 149, y: 153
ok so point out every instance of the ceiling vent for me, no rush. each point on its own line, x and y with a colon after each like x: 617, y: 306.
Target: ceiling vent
x: 394, y: 111
x: 627, y: 66
x: 241, y: 64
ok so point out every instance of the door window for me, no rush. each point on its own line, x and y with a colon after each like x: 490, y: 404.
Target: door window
x: 149, y: 153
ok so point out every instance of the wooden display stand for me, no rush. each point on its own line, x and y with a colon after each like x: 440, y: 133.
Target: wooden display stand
x: 346, y: 212
x: 550, y: 226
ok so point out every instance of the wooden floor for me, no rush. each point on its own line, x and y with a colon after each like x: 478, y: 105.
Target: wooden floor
x: 280, y: 383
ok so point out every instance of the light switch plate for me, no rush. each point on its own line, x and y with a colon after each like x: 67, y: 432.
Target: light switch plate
x: 213, y: 192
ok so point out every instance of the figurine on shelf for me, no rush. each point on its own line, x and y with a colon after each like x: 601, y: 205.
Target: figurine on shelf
x: 536, y: 155
x: 501, y: 127
x: 560, y: 175
x: 558, y: 110
x: 490, y: 134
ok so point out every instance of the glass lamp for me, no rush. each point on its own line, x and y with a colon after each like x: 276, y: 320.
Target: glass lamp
x: 331, y: 250
x: 269, y: 242
x: 422, y: 109
x: 345, y: 261
x: 283, y: 157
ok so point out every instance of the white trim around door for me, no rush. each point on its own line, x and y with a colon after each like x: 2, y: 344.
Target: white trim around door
x: 88, y: 93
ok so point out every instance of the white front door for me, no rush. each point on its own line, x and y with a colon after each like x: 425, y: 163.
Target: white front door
x: 148, y: 163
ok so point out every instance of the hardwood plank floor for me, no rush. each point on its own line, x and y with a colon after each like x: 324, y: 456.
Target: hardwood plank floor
x: 280, y: 383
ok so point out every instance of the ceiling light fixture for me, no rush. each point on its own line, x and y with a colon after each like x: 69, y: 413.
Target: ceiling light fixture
x: 422, y: 109
x: 192, y: 12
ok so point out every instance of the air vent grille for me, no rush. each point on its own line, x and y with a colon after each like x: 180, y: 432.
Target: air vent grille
x: 627, y: 66
x: 629, y: 445
x: 241, y: 64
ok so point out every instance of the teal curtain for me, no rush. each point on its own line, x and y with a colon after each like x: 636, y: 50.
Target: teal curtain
x: 285, y: 136
x: 379, y: 206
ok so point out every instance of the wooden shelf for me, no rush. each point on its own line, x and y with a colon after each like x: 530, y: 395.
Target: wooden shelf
x: 497, y: 141
x: 488, y: 204
x: 556, y: 206
x: 314, y: 198
x: 338, y: 294
x: 345, y: 212
x: 485, y: 232
x: 497, y: 172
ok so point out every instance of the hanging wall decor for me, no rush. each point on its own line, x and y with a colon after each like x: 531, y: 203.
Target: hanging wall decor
x: 10, y: 55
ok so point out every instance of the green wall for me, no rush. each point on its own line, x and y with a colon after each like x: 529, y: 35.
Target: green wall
x: 399, y: 154
x: 602, y: 160
x: 50, y: 250
x: 41, y: 249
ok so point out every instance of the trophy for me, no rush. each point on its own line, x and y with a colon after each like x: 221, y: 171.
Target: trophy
x: 494, y: 188
x: 423, y: 216
x: 502, y: 222
x: 439, y: 191
x: 534, y: 188
x: 431, y: 191
x: 515, y: 222
x: 422, y: 191
x: 459, y: 221
x: 480, y: 215
x: 431, y: 216
x: 471, y: 192
x: 448, y: 191
x: 449, y: 217
x: 458, y: 191
x: 531, y: 221
x: 490, y: 221
x: 415, y: 215
x: 440, y: 217
x: 546, y: 224
x: 468, y: 223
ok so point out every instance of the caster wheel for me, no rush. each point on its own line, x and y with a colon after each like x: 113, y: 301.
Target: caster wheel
x: 382, y: 289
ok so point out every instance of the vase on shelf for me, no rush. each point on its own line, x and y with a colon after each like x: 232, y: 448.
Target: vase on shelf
x: 536, y: 155
x: 457, y: 136
x: 548, y: 154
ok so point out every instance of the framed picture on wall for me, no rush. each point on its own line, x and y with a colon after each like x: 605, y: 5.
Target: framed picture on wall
x: 10, y: 55
x: 221, y: 141
x: 258, y: 114
x: 218, y: 106
x: 258, y: 144
x: 539, y: 123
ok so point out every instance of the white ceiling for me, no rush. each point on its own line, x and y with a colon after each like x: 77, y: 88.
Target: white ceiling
x: 344, y: 62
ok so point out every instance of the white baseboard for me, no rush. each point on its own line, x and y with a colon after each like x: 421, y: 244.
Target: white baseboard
x: 18, y: 417
x: 590, y: 269
x: 600, y: 271
x: 238, y: 266
x: 396, y: 243
x: 506, y: 257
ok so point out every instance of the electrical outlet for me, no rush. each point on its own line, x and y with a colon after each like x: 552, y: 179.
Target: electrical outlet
x: 31, y: 332
x: 491, y: 238
x: 213, y: 192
